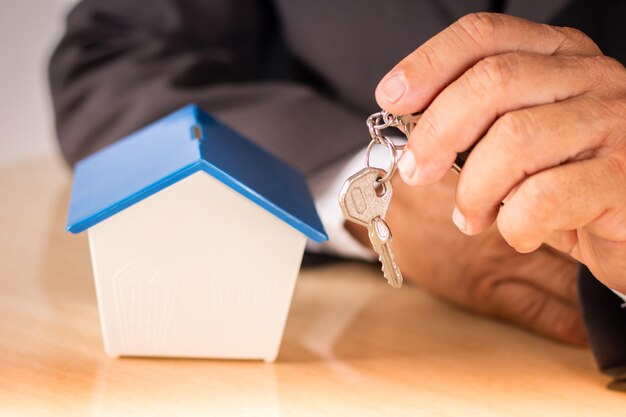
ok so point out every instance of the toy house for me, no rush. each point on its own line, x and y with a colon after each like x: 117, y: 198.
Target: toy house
x: 196, y: 238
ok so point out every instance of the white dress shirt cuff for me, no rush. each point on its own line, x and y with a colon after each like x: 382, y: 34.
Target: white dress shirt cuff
x: 325, y: 187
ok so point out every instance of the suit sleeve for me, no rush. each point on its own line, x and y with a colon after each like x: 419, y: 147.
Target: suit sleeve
x: 124, y: 63
x: 605, y: 321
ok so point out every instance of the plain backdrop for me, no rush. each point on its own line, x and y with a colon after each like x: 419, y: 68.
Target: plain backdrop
x: 29, y: 30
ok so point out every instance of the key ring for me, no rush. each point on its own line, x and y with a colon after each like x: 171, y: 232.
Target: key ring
x: 404, y: 123
x: 380, y: 121
x: 372, y: 122
x: 374, y: 125
x: 383, y: 140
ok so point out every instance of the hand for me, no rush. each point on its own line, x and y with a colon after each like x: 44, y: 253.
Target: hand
x: 547, y: 112
x: 482, y: 273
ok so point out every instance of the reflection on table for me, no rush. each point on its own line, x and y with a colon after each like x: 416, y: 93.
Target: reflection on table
x: 352, y: 345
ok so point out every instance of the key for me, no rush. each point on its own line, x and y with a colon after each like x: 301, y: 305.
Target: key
x: 380, y: 236
x: 364, y: 200
x: 359, y: 199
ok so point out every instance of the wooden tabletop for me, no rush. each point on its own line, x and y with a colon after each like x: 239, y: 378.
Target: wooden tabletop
x: 352, y: 345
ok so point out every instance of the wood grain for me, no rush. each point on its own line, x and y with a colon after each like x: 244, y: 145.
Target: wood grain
x: 352, y: 346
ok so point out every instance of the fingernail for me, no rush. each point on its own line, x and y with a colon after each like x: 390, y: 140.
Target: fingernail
x: 393, y: 87
x: 527, y: 248
x: 459, y: 220
x: 406, y: 166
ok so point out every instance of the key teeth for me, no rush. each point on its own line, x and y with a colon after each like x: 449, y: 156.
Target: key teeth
x: 390, y: 276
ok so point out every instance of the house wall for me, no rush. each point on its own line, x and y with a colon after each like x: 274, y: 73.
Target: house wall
x: 196, y: 270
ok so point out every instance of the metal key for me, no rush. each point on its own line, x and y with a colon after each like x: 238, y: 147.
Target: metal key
x: 364, y: 200
x: 359, y: 200
x: 380, y: 236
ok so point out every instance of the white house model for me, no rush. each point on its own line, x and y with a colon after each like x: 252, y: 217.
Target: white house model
x: 196, y: 239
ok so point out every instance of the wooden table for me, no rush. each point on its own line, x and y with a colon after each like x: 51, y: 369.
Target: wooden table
x: 352, y: 346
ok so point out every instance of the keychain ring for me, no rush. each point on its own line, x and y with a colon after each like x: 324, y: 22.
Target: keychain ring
x: 392, y: 150
x: 373, y: 122
x: 389, y: 120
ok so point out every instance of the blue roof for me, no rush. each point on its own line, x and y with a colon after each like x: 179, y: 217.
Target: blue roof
x: 176, y: 146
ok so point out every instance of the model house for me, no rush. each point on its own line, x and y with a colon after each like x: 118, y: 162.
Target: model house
x: 196, y: 238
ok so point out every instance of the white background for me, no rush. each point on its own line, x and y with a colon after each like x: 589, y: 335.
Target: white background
x: 29, y: 30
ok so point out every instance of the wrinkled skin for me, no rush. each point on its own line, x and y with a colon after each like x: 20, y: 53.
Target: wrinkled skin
x: 546, y: 111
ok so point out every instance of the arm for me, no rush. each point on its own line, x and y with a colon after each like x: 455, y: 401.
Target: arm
x: 124, y: 63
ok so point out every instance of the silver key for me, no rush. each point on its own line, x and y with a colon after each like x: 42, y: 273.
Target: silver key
x: 359, y: 199
x: 380, y: 236
x: 363, y: 202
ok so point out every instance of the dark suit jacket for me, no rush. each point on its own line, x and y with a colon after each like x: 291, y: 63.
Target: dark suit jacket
x: 296, y: 76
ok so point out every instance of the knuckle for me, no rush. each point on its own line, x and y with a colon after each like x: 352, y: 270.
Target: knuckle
x: 535, y: 203
x: 479, y: 27
x: 531, y: 309
x: 567, y: 327
x: 608, y: 73
x: 611, y: 110
x: 491, y: 73
x: 514, y: 129
x: 538, y: 198
x: 572, y: 33
x: 600, y: 65
x: 574, y: 39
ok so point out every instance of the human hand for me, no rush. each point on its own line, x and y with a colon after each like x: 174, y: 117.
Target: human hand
x: 483, y: 274
x: 547, y: 112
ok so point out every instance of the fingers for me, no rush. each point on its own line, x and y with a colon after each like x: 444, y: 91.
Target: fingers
x: 585, y: 193
x: 537, y: 310
x: 461, y: 114
x: 418, y: 78
x: 518, y: 145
